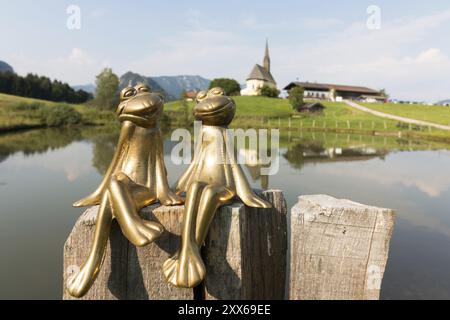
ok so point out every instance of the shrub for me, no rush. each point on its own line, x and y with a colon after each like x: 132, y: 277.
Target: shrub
x: 296, y: 97
x: 270, y: 92
x: 230, y: 86
x: 60, y: 116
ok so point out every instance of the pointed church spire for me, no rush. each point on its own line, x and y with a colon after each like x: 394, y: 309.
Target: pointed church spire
x: 266, y: 61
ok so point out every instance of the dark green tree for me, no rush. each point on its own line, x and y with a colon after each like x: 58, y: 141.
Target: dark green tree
x: 40, y: 87
x: 230, y: 86
x: 296, y: 97
x: 107, y: 88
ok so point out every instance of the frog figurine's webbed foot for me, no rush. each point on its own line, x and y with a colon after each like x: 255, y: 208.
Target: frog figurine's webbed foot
x: 91, y: 200
x: 186, y: 268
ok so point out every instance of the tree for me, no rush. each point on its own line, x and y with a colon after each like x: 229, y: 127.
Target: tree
x: 40, y: 87
x: 230, y: 86
x: 296, y: 97
x: 107, y: 86
x: 270, y: 92
x: 384, y: 93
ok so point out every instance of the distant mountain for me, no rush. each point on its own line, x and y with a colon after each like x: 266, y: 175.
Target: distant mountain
x: 5, y: 67
x: 175, y: 85
x: 86, y: 87
x: 131, y: 78
x: 444, y: 102
x: 171, y: 86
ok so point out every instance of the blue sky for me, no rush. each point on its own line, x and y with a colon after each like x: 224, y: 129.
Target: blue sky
x: 324, y: 41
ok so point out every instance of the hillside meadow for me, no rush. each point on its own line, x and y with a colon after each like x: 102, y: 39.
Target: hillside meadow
x: 17, y: 113
x: 436, y: 114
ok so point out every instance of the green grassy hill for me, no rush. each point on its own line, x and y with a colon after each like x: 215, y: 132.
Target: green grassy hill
x: 436, y: 114
x: 18, y: 113
x: 248, y: 107
x: 254, y: 112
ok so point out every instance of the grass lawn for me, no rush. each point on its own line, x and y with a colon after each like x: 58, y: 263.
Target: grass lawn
x: 436, y: 114
x: 13, y: 117
x: 258, y: 112
x: 248, y: 107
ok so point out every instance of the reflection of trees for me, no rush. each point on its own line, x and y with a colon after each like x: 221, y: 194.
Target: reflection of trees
x: 36, y: 141
x: 300, y: 154
x: 103, y: 151
x: 296, y: 153
x: 41, y: 140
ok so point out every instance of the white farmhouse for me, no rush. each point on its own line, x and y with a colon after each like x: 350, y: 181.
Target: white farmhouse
x: 259, y: 77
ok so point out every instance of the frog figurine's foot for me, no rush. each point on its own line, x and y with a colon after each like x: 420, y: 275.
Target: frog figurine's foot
x: 186, y: 268
x: 144, y: 232
x: 79, y: 284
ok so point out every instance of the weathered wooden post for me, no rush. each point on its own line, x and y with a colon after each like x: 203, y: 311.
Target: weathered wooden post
x: 245, y: 255
x: 246, y: 252
x: 339, y: 249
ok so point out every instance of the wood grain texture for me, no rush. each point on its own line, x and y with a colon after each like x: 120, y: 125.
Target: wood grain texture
x: 111, y: 281
x: 339, y: 249
x: 246, y: 251
x: 127, y: 272
x: 244, y: 243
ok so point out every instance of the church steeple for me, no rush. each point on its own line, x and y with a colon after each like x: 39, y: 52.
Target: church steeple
x: 266, y: 61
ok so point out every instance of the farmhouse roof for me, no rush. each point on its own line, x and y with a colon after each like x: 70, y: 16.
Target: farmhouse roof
x: 327, y: 87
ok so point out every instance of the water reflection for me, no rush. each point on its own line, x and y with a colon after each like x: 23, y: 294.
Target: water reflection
x: 43, y: 171
x: 314, y: 152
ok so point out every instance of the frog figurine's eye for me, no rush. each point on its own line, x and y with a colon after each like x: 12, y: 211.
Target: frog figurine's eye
x: 127, y: 93
x: 201, y: 96
x: 217, y: 92
x: 142, y: 88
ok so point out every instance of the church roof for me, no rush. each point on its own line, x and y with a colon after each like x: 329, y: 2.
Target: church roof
x: 260, y: 73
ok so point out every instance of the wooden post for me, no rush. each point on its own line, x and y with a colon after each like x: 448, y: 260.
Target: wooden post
x: 246, y: 250
x: 339, y: 249
x: 128, y: 272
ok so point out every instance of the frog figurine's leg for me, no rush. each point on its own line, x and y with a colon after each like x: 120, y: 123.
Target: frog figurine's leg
x: 186, y: 267
x: 80, y: 283
x: 126, y: 201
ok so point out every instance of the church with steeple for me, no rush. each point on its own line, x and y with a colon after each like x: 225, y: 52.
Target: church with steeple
x: 259, y: 76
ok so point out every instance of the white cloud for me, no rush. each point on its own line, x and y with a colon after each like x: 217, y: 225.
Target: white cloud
x: 76, y: 57
x: 210, y: 53
x: 392, y: 58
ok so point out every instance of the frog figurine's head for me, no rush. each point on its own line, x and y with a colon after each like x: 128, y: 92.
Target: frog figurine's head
x: 140, y: 106
x: 214, y: 108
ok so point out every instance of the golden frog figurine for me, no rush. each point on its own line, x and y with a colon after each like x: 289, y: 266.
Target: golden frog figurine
x: 213, y: 179
x: 136, y: 178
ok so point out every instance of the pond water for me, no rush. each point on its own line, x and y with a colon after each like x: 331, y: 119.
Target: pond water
x: 43, y: 171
